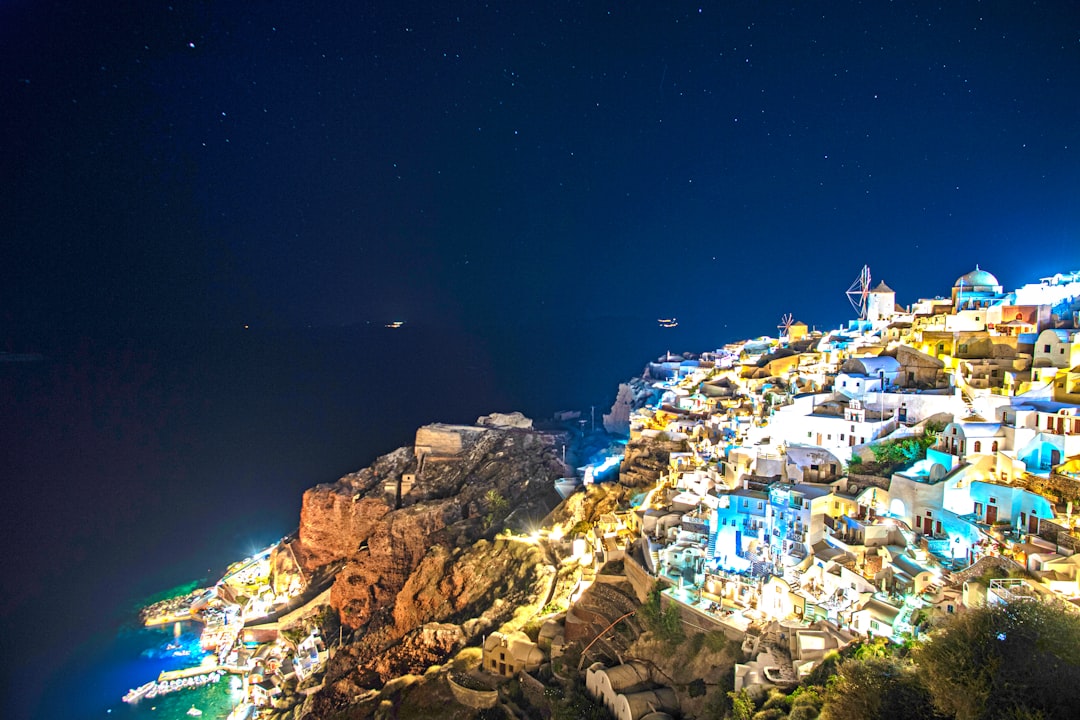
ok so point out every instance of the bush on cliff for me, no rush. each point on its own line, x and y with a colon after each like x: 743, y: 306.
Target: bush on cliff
x: 665, y: 624
x: 1016, y: 660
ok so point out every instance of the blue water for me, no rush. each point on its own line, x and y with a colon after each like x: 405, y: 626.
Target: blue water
x: 140, y: 462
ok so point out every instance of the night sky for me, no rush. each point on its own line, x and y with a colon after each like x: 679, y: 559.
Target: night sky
x: 475, y: 169
x: 459, y: 163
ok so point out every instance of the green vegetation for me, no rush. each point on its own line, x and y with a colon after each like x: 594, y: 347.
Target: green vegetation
x: 665, y: 624
x: 1016, y: 660
x: 877, y: 687
x: 893, y: 455
x: 573, y: 703
x: 1012, y: 662
x: 497, y: 507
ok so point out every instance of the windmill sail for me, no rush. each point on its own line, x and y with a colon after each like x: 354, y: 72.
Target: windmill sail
x: 859, y: 292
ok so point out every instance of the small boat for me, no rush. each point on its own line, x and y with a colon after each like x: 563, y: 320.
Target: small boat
x: 194, y: 711
x: 668, y: 322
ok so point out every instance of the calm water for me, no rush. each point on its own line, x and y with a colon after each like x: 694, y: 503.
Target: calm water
x: 137, y: 464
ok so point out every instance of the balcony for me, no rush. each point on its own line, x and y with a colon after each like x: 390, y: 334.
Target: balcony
x: 1010, y: 590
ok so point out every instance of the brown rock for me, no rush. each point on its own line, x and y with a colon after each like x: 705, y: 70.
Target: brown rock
x: 395, y: 547
x: 334, y: 523
x: 451, y: 587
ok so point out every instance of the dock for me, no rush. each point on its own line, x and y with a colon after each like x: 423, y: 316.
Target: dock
x: 171, y: 617
x: 168, y: 675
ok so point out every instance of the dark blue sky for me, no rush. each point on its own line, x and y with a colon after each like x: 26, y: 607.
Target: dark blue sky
x: 328, y: 163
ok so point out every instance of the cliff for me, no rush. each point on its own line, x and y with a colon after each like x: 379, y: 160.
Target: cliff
x: 421, y: 573
x: 632, y: 395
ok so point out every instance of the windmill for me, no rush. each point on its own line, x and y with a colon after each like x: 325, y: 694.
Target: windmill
x: 785, y: 323
x: 859, y: 292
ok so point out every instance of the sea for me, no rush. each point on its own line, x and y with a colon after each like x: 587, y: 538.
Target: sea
x: 139, y: 464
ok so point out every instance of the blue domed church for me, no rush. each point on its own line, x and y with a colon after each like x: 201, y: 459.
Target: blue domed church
x: 977, y: 289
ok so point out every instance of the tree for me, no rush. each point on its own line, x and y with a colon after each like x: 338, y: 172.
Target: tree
x: 497, y: 506
x: 742, y: 706
x: 666, y: 624
x: 877, y: 687
x: 1005, y: 661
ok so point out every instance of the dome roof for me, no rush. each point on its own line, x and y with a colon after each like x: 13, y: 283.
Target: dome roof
x: 976, y: 277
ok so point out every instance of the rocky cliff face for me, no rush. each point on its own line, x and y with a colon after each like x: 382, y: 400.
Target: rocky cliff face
x: 372, y: 578
x: 337, y: 519
x: 632, y: 395
x: 421, y: 576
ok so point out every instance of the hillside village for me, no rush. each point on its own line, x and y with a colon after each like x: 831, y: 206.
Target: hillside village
x: 750, y: 513
x: 824, y: 487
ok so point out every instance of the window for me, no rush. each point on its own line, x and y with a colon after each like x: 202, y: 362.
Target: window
x: 760, y: 505
x: 1046, y: 348
x: 853, y: 428
x: 978, y: 446
x: 929, y: 513
x: 993, y: 500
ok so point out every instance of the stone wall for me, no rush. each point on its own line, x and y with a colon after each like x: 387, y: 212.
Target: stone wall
x: 1059, y: 489
x: 479, y: 699
x: 694, y: 621
x: 639, y: 578
x: 1002, y: 564
x: 439, y: 440
x: 865, y: 481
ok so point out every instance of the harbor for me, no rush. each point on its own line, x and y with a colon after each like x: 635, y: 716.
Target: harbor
x: 245, y: 629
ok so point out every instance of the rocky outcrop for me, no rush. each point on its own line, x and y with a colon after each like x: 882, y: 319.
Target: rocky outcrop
x: 632, y: 395
x: 420, y: 580
x: 428, y: 645
x: 334, y: 525
x: 505, y: 420
x: 336, y: 519
x: 372, y: 578
x: 645, y: 459
x: 449, y: 585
